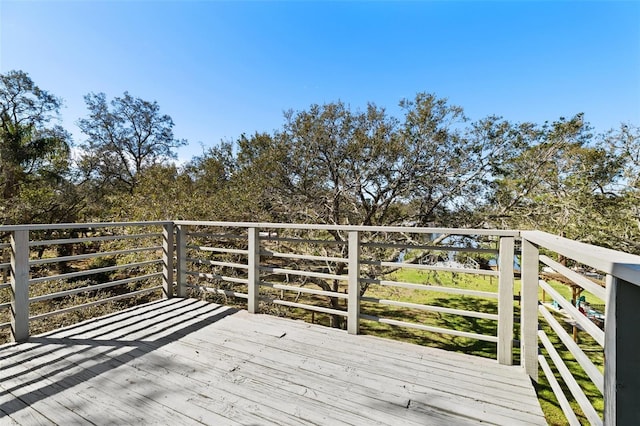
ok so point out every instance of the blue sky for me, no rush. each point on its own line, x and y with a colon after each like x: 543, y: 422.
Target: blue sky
x: 222, y: 68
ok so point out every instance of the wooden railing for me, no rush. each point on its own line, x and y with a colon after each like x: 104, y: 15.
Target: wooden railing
x: 258, y: 261
x: 41, y: 284
x: 619, y: 341
x: 330, y: 270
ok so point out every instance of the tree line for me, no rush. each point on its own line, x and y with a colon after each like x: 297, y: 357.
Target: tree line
x: 430, y: 166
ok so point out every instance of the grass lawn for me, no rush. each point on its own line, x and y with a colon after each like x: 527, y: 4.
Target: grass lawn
x: 546, y: 397
x: 435, y: 319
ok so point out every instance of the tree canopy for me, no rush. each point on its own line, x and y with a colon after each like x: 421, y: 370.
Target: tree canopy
x: 328, y: 163
x: 34, y: 152
x: 125, y: 137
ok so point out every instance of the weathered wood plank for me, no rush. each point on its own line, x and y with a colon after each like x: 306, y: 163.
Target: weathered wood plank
x: 237, y: 330
x: 158, y: 388
x: 15, y: 411
x: 281, y: 394
x: 267, y: 379
x: 361, y: 368
x: 261, y: 391
x: 258, y: 375
x: 71, y: 394
x: 332, y: 349
x: 194, y: 400
x: 182, y: 361
x: 402, y: 351
x: 392, y: 397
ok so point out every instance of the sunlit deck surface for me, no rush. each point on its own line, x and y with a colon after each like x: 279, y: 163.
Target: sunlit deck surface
x: 183, y: 361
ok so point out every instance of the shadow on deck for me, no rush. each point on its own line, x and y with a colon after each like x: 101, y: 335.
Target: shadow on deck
x: 183, y: 361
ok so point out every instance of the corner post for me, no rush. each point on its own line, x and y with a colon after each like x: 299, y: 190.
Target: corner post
x: 253, y: 284
x: 353, y: 309
x: 181, y: 260
x: 529, y: 309
x: 167, y: 261
x: 505, y: 301
x: 20, y: 285
x: 622, y: 353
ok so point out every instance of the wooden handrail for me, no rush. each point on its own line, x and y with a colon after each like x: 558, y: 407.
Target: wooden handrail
x: 620, y: 264
x: 621, y: 378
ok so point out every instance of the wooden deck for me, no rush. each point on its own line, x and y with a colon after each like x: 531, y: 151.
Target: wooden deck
x: 183, y: 361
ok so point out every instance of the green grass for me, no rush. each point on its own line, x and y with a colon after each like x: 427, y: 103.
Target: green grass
x: 435, y: 319
x: 548, y: 402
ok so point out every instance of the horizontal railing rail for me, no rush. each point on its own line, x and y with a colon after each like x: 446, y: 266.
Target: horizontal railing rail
x: 63, y: 268
x: 82, y: 225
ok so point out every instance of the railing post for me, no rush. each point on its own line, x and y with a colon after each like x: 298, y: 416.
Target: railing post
x: 167, y: 260
x: 529, y: 309
x: 181, y: 260
x: 253, y: 283
x: 622, y: 353
x: 353, y: 308
x: 20, y: 285
x: 505, y: 301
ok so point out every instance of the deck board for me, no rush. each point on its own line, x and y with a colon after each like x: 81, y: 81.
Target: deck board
x: 184, y: 361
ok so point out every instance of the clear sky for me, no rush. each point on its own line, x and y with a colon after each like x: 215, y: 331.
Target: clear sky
x: 223, y: 68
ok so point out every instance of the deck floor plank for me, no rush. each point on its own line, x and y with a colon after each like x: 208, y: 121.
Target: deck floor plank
x: 76, y: 382
x: 395, y: 349
x: 184, y: 361
x: 263, y: 373
x: 417, y: 371
x: 405, y: 382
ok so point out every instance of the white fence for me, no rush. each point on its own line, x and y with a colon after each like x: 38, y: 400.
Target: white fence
x: 37, y: 273
x: 297, y: 265
x: 619, y: 385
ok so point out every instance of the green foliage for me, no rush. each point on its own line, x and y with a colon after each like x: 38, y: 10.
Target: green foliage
x: 327, y: 164
x: 568, y: 181
x: 34, y: 154
x: 330, y: 164
x: 125, y: 137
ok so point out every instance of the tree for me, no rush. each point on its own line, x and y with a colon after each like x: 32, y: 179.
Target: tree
x: 34, y: 154
x: 448, y: 161
x: 343, y: 166
x: 214, y: 190
x: 367, y: 168
x: 624, y: 144
x: 333, y: 165
x: 125, y: 137
x: 562, y: 180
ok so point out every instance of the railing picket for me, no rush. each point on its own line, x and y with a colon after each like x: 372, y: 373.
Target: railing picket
x: 353, y: 320
x: 254, y: 270
x: 529, y: 309
x: 167, y: 260
x: 181, y: 260
x: 20, y: 285
x: 505, y: 301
